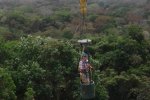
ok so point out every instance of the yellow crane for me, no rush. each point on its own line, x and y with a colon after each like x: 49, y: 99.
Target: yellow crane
x: 83, y: 7
x: 81, y: 28
x: 87, y: 88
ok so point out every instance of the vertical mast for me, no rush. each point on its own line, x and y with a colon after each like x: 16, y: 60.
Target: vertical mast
x: 83, y: 11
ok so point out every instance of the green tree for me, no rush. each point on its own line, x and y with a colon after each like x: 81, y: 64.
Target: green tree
x: 7, y: 86
x: 67, y: 34
x: 49, y: 64
x: 135, y: 32
x: 3, y: 52
x: 92, y: 17
x: 101, y: 90
x: 63, y: 15
x: 29, y: 94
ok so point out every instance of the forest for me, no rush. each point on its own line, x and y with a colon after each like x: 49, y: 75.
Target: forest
x: 39, y: 53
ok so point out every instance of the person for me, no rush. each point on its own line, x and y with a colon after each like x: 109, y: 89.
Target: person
x: 84, y: 68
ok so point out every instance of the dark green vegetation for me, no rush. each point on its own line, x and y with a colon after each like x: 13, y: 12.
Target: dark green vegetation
x: 46, y: 68
x: 39, y: 55
x: 60, y: 18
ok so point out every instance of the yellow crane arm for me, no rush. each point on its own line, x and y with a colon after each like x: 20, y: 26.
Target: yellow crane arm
x: 83, y: 7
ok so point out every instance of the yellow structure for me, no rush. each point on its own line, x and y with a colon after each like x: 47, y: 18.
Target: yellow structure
x: 83, y: 7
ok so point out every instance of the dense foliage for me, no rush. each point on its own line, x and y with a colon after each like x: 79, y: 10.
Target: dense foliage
x: 46, y: 68
x: 61, y: 18
x: 39, y: 54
